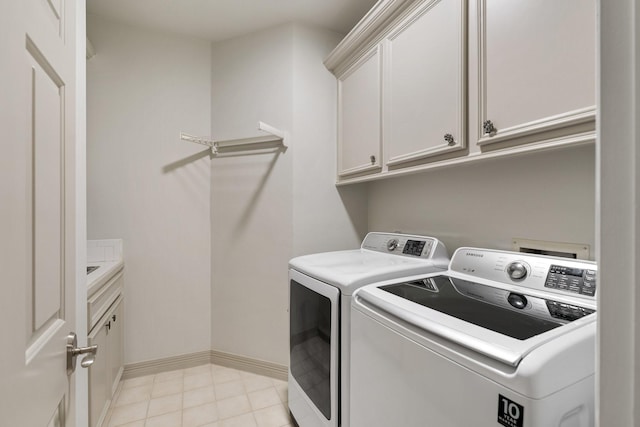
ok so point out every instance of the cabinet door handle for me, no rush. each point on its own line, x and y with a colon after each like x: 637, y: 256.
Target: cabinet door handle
x: 113, y: 317
x: 449, y: 138
x: 373, y: 160
x: 108, y: 325
x: 489, y: 128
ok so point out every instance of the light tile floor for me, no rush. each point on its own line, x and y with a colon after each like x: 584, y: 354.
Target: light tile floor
x: 204, y: 396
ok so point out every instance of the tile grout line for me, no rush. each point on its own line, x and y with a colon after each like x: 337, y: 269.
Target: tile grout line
x: 242, y: 377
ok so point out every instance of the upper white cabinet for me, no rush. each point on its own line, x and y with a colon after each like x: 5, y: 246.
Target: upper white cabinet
x: 418, y: 79
x: 425, y: 83
x: 536, y: 68
x: 359, y: 121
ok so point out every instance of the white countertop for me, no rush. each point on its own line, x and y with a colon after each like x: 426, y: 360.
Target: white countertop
x: 98, y: 277
x: 106, y: 254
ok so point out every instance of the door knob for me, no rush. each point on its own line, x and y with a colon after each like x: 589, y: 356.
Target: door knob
x: 74, y: 351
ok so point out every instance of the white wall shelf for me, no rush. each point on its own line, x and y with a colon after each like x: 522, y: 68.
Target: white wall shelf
x: 273, y: 135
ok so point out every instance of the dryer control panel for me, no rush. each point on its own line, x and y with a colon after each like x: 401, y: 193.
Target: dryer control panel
x: 570, y: 277
x: 404, y: 245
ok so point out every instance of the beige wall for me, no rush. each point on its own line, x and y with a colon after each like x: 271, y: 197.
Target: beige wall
x: 325, y: 218
x: 266, y: 208
x: 207, y: 240
x: 251, y: 206
x: 543, y: 196
x: 148, y: 187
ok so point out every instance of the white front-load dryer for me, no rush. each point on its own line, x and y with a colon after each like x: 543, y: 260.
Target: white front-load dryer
x: 320, y: 289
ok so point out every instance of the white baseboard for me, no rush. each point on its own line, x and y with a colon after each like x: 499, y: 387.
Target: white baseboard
x: 248, y: 364
x: 173, y: 363
x: 229, y: 360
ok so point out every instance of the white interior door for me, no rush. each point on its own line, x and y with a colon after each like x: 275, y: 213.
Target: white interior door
x: 37, y: 211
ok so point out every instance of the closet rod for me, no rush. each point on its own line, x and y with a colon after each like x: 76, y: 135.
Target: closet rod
x: 275, y: 135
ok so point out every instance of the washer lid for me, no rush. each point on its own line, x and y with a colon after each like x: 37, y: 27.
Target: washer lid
x: 349, y: 270
x: 478, y: 317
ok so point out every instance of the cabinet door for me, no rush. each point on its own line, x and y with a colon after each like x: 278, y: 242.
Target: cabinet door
x: 98, y: 394
x: 115, y: 348
x: 425, y: 83
x: 359, y: 133
x: 537, y: 68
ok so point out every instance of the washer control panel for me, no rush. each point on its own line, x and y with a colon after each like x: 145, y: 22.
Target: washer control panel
x: 404, y: 245
x: 569, y: 277
x: 576, y: 280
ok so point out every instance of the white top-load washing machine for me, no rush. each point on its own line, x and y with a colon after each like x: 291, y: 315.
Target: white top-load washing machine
x: 320, y: 288
x: 500, y: 339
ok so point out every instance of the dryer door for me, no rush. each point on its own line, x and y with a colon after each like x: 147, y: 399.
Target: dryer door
x: 314, y: 352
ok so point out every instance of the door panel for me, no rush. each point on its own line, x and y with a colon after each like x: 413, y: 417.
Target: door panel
x: 57, y: 420
x: 47, y: 145
x: 55, y: 15
x: 37, y: 206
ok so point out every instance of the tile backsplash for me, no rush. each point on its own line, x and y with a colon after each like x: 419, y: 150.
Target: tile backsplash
x: 104, y: 250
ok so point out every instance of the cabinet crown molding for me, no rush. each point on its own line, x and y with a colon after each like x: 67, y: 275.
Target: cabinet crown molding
x: 368, y: 31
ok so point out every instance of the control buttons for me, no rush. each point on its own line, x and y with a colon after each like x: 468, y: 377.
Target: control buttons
x: 392, y: 245
x: 517, y: 270
x: 575, y: 280
x: 517, y: 300
x: 589, y: 291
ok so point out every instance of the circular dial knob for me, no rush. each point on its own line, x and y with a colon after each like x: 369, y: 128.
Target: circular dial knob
x: 392, y: 244
x: 517, y: 300
x: 517, y: 270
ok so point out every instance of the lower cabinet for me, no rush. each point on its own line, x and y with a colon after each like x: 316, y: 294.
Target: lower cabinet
x: 115, y: 347
x: 106, y: 371
x: 98, y: 400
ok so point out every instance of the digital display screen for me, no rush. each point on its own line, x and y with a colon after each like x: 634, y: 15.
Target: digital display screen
x: 413, y: 247
x: 578, y: 272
